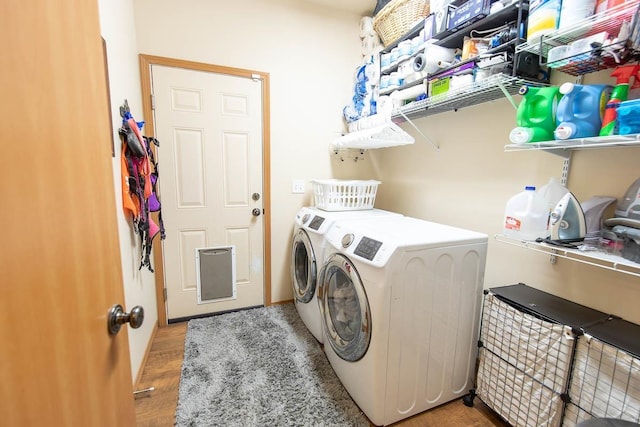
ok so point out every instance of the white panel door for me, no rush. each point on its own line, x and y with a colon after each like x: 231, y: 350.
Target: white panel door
x: 210, y: 159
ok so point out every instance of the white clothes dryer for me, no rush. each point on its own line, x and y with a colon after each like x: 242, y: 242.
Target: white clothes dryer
x: 400, y: 301
x: 307, y: 255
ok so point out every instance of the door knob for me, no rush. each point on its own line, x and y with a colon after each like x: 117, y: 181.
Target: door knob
x: 117, y: 317
x: 255, y: 212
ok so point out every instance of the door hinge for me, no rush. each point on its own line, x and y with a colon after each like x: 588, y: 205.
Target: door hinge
x: 153, y: 102
x: 165, y: 294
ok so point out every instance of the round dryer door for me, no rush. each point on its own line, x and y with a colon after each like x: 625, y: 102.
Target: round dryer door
x: 344, y: 307
x: 303, y: 267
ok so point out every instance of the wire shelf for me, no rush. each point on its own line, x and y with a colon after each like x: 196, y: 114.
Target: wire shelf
x: 562, y: 147
x: 608, y: 56
x: 609, y: 21
x: 490, y: 89
x: 595, y: 258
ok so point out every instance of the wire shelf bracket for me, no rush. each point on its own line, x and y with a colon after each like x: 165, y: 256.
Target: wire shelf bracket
x: 419, y: 131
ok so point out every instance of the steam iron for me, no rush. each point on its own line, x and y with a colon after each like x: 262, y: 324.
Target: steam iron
x: 567, y: 221
x: 627, y: 211
x: 593, y: 210
x: 629, y: 206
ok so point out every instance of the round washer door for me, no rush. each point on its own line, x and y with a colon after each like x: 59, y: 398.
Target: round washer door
x: 303, y: 267
x: 345, y: 309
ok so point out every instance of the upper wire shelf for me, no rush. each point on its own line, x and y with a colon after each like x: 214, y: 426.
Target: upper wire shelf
x: 603, y: 57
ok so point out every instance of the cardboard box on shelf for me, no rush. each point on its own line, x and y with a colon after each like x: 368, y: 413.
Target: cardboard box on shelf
x: 440, y: 13
x: 439, y: 86
x: 467, y: 12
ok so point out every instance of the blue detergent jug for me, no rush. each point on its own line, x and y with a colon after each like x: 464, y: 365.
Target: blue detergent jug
x: 580, y: 110
x: 629, y: 117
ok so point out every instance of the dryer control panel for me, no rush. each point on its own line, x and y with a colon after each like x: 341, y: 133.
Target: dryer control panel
x: 360, y: 246
x: 367, y: 248
x: 316, y: 222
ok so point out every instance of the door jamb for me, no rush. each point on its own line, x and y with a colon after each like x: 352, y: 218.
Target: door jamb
x: 146, y: 61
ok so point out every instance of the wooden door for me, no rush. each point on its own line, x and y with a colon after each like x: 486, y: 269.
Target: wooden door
x: 59, y: 258
x: 210, y: 128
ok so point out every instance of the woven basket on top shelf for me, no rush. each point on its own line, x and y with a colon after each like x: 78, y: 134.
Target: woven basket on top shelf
x: 398, y: 17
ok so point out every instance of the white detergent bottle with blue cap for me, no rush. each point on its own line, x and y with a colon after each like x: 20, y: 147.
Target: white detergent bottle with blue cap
x: 525, y: 215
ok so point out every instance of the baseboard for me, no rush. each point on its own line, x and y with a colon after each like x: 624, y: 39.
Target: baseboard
x: 201, y: 316
x: 289, y: 301
x: 217, y: 313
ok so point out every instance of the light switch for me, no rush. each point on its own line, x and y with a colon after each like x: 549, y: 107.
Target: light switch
x: 298, y: 186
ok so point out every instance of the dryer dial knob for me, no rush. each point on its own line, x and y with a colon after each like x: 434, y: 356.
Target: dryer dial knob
x: 347, y: 240
x: 305, y: 218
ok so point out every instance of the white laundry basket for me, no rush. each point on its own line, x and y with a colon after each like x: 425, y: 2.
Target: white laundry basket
x: 344, y: 195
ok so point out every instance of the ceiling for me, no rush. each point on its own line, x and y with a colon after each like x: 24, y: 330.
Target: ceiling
x: 360, y: 7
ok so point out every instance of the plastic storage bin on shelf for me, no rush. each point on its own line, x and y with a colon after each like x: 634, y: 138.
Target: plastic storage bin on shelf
x: 344, y: 195
x: 629, y: 117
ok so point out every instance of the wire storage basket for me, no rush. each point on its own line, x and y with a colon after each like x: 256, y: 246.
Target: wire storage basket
x: 344, y: 195
x: 398, y: 17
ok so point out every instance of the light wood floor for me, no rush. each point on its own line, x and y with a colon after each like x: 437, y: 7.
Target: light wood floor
x: 162, y: 371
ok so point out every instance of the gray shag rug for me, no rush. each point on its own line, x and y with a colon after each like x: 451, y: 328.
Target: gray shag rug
x: 260, y: 367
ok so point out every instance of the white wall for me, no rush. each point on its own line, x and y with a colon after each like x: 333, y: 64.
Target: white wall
x: 311, y: 54
x: 118, y: 29
x: 468, y: 182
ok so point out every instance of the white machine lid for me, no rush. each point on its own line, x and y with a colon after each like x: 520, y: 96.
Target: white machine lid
x: 318, y: 221
x: 375, y: 242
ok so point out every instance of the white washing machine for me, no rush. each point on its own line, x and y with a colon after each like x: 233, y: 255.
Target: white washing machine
x: 400, y: 301
x: 307, y: 256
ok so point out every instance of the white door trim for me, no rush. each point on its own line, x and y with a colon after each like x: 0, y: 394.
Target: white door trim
x: 146, y: 61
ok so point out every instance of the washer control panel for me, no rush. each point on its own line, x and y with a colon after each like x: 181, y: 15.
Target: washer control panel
x: 316, y: 222
x: 352, y: 239
x: 367, y: 248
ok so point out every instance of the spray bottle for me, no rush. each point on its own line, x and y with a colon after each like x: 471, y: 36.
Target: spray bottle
x: 536, y: 116
x: 620, y: 93
x: 634, y: 89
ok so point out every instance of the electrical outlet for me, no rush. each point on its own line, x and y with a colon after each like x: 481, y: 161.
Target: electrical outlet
x: 298, y: 186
